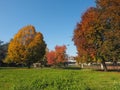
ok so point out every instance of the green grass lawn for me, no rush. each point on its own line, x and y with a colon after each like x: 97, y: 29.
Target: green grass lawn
x: 57, y: 79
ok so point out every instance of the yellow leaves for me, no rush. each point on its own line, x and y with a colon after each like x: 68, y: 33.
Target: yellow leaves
x: 14, y: 51
x: 25, y: 35
x: 26, y: 45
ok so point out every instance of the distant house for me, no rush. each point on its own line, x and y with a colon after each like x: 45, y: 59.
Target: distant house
x: 35, y: 65
x: 71, y: 60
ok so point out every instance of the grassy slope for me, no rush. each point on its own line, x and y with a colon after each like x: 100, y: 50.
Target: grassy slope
x: 58, y: 79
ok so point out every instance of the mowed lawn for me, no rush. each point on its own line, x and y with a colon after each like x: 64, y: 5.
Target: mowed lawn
x: 57, y: 79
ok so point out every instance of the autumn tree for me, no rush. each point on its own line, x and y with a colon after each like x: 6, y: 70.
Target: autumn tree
x: 83, y: 37
x: 107, y: 30
x: 109, y: 21
x: 61, y: 54
x: 27, y: 47
x: 99, y: 31
x: 51, y: 58
x: 58, y: 56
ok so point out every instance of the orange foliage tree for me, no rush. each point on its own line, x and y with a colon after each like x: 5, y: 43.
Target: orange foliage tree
x: 26, y: 47
x: 51, y: 58
x: 61, y: 54
x: 97, y: 35
x: 83, y: 37
x: 108, y: 29
x: 58, y: 56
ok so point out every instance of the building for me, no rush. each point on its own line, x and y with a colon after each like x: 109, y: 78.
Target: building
x: 71, y: 60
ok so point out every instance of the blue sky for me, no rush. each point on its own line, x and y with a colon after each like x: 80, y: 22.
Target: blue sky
x: 55, y: 19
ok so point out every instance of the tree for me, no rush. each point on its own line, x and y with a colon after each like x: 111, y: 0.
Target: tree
x: 97, y: 35
x: 3, y: 51
x: 26, y: 47
x: 58, y: 56
x: 61, y: 54
x: 84, y: 37
x: 51, y: 58
x: 107, y: 27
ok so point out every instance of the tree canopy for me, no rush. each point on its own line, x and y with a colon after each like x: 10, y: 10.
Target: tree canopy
x: 27, y: 46
x: 58, y: 56
x: 3, y: 51
x: 97, y: 35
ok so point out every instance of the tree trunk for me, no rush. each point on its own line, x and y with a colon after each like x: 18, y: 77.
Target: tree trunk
x: 115, y: 65
x: 29, y: 65
x: 82, y: 66
x: 104, y: 65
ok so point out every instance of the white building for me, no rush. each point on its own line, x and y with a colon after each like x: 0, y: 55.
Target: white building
x: 71, y: 60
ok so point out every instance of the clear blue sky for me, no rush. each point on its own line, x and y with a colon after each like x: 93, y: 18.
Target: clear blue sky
x: 55, y: 19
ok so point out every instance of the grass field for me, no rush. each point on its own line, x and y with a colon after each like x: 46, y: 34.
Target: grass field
x: 57, y: 79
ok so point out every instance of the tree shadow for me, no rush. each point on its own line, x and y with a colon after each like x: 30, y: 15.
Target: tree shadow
x: 112, y: 70
x: 72, y: 68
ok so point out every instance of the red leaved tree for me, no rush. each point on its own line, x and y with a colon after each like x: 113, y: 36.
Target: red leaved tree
x: 83, y: 39
x: 58, y: 56
x: 51, y: 57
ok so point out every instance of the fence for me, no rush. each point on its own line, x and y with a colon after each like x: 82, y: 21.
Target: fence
x: 110, y: 66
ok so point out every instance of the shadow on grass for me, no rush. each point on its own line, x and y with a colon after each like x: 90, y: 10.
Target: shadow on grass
x: 1, y: 68
x: 113, y: 70
x: 72, y: 68
x: 7, y: 67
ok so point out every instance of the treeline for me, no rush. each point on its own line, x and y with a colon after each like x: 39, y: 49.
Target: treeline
x: 3, y: 52
x: 97, y: 35
x: 28, y: 47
